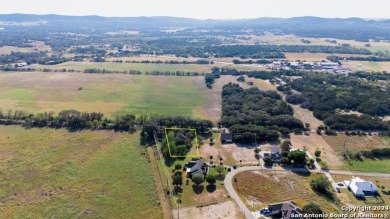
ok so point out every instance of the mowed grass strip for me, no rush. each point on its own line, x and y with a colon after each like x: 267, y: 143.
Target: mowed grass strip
x: 47, y: 173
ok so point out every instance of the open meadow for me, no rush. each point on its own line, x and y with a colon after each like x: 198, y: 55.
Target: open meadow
x: 107, y: 93
x: 48, y: 173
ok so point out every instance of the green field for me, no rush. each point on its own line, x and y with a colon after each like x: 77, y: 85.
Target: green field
x: 110, y: 93
x: 370, y: 166
x: 47, y: 173
x: 130, y: 66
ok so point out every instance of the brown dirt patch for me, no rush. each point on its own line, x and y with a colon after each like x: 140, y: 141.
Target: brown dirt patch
x: 226, y: 210
x: 314, y: 141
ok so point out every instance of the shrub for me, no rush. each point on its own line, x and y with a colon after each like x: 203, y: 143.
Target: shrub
x: 320, y: 183
x: 198, y: 178
x: 323, y: 165
x: 317, y: 153
x: 267, y: 161
x: 312, y: 208
x: 210, y: 179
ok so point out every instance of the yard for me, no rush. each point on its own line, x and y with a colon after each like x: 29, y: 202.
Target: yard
x: 349, y: 198
x: 107, y: 93
x: 260, y: 188
x: 47, y: 173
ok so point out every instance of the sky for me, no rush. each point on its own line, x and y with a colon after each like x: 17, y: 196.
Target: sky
x: 203, y: 9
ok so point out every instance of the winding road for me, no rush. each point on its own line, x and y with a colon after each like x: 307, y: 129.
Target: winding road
x: 248, y: 214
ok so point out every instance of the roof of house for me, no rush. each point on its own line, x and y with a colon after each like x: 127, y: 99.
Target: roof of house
x: 285, y: 208
x: 275, y: 149
x: 360, y: 186
x: 196, y: 166
x: 226, y: 136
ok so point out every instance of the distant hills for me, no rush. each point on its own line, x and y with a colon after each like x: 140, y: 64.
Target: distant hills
x: 341, y: 28
x: 136, y: 22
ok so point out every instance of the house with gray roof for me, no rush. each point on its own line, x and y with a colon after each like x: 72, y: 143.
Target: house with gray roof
x: 360, y: 187
x: 196, y: 166
x: 285, y: 210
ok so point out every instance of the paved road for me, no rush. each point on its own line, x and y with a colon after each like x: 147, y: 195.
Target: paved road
x: 248, y: 214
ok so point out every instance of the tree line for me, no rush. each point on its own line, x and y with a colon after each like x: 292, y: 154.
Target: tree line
x: 75, y: 120
x: 137, y: 72
x: 184, y: 62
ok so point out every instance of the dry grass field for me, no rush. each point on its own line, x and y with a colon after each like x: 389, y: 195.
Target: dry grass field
x: 277, y: 186
x: 107, y: 93
x: 368, y: 66
x: 49, y: 173
x: 37, y: 47
x: 226, y: 210
x: 314, y: 141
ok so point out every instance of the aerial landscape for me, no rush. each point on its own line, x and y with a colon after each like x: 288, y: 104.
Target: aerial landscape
x: 158, y: 114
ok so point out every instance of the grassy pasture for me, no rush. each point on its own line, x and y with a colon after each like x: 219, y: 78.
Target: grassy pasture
x: 108, y: 93
x: 356, y: 144
x: 131, y: 66
x: 47, y: 173
x: 278, y: 186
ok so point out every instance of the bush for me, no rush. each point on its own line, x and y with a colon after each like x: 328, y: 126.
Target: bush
x: 297, y: 157
x: 320, y: 183
x: 267, y: 161
x: 317, y: 153
x: 323, y: 165
x: 284, y: 161
x: 210, y: 179
x: 312, y: 208
x: 178, y: 166
x: 198, y: 178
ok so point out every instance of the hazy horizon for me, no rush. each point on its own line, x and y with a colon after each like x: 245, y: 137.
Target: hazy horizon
x: 202, y: 9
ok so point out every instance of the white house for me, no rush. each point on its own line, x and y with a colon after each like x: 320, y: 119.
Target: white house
x: 360, y: 187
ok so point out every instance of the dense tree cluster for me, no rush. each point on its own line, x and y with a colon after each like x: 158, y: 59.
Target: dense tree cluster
x: 177, y: 143
x: 372, y: 76
x: 267, y: 51
x: 325, y: 93
x: 253, y: 114
x: 156, y: 124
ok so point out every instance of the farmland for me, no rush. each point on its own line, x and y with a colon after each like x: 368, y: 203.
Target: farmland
x: 48, y: 173
x: 109, y: 94
x: 131, y: 66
